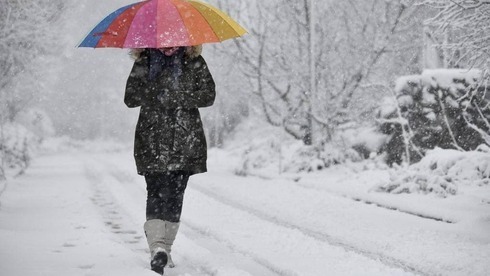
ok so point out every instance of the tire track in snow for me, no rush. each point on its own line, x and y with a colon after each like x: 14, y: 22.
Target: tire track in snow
x: 391, y: 208
x: 253, y: 257
x: 357, y: 199
x: 317, y: 235
x: 373, y: 202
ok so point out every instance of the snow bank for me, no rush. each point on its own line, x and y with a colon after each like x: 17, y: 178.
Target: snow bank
x: 441, y: 172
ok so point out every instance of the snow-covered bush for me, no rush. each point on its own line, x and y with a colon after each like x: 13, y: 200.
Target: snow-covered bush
x: 314, y: 158
x: 365, y: 140
x: 20, y: 138
x: 441, y: 171
x: 16, y: 145
x: 269, y: 155
x: 271, y: 150
x: 446, y: 108
x: 260, y: 154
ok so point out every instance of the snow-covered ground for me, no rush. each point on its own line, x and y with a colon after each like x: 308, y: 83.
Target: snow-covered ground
x: 80, y: 209
x: 80, y: 212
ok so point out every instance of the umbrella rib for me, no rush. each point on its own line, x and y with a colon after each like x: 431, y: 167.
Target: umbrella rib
x: 209, y: 23
x: 119, y: 29
x: 191, y: 22
x: 90, y: 40
x: 137, y: 35
x: 156, y: 24
x: 237, y: 34
x: 233, y: 29
x: 183, y: 22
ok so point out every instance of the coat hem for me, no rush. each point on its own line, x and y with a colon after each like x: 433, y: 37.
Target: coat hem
x: 191, y: 170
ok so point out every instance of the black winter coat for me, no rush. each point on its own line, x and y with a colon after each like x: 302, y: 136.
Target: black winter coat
x: 169, y: 134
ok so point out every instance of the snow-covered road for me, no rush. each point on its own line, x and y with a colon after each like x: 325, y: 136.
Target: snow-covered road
x: 82, y: 214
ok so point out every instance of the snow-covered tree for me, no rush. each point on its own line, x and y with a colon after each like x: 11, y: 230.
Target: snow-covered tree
x: 309, y: 64
x: 460, y: 28
x: 26, y: 34
x: 459, y: 31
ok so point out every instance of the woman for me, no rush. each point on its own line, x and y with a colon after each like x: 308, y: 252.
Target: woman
x: 169, y: 84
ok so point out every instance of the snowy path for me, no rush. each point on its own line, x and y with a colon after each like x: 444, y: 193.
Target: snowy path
x: 82, y: 214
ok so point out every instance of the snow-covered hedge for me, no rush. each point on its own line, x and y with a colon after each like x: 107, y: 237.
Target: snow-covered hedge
x: 441, y: 172
x: 447, y: 108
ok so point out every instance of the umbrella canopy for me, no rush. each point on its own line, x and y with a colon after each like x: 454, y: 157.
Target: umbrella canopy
x: 163, y: 23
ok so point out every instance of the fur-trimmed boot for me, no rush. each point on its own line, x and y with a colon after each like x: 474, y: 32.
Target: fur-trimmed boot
x: 155, y: 235
x: 171, y: 229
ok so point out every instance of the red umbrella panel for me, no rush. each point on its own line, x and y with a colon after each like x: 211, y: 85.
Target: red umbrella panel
x: 163, y: 23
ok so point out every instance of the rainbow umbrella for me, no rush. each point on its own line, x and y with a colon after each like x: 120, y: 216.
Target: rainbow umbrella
x: 163, y: 23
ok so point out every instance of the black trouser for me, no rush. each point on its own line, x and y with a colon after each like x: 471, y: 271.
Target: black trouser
x: 165, y: 195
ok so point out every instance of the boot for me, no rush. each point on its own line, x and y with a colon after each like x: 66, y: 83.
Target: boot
x: 155, y: 235
x: 171, y: 229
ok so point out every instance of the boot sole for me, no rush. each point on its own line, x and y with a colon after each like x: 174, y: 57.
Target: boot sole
x: 159, y: 262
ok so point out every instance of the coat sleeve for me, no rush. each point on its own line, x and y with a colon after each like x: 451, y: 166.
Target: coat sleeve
x: 203, y: 96
x: 137, y: 87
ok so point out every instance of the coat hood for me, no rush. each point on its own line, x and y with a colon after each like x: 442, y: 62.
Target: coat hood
x: 190, y: 52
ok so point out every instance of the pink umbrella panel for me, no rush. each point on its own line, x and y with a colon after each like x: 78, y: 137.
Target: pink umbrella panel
x: 163, y: 23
